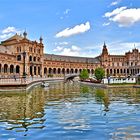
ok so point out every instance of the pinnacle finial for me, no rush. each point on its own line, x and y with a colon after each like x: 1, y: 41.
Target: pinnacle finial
x: 25, y: 34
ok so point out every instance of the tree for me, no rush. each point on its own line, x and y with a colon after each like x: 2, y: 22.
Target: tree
x: 99, y: 73
x: 84, y: 74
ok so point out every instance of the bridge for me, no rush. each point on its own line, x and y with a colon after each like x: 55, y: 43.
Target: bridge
x: 70, y: 77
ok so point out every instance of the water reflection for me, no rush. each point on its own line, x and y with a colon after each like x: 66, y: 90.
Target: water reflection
x: 70, y: 111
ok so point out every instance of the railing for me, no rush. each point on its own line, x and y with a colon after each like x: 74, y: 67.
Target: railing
x: 28, y: 80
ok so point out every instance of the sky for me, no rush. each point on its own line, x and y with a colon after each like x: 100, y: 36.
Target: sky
x: 74, y: 27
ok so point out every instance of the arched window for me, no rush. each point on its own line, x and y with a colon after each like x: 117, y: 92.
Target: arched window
x: 59, y: 70
x: 34, y: 58
x: 38, y: 70
x: 17, y: 69
x: 38, y: 59
x: 76, y: 70
x: 54, y: 70
x: 34, y: 70
x: 63, y: 71
x: 5, y: 68
x: 30, y: 58
x: 68, y: 71
x: 19, y: 58
x: 45, y: 70
x: 11, y: 69
x: 50, y: 70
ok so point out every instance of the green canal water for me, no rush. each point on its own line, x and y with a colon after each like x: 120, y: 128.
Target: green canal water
x: 70, y: 112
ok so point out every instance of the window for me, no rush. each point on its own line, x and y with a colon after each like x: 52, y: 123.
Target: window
x: 19, y: 58
x: 34, y: 58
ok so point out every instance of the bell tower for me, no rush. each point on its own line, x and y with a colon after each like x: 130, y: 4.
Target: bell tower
x: 104, y: 56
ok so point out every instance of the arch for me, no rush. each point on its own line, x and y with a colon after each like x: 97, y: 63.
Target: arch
x: 80, y: 70
x: 38, y: 70
x: 50, y: 70
x: 5, y: 68
x: 107, y: 71
x: 30, y: 58
x: 17, y: 69
x: 92, y: 71
x: 114, y: 71
x: 124, y: 71
x: 45, y: 70
x: 127, y: 71
x: 19, y: 58
x: 88, y: 70
x: 76, y: 70
x: 117, y: 70
x: 54, y: 70
x: 59, y: 70
x: 72, y: 70
x: 67, y: 71
x: 31, y: 70
x: 121, y: 70
x: 11, y: 68
x: 34, y: 70
x: 63, y: 71
x: 110, y: 71
x: 34, y: 58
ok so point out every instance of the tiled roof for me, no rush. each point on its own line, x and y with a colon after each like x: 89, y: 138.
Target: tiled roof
x: 71, y: 58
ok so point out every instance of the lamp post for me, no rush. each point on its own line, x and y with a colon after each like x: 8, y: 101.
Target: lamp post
x: 24, y: 73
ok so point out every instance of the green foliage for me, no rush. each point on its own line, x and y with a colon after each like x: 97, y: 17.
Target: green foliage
x: 99, y: 73
x: 84, y: 74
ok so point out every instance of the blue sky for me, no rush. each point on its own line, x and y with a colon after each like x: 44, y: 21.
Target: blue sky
x: 74, y: 27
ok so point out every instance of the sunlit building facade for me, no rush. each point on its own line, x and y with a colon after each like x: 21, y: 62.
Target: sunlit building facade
x: 19, y: 55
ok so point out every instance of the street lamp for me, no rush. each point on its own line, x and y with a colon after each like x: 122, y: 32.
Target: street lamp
x: 24, y: 73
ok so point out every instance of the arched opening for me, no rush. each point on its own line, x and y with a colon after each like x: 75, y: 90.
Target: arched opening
x: 34, y: 70
x: 19, y: 58
x: 124, y: 71
x: 45, y: 71
x: 107, y: 71
x: 34, y: 58
x: 54, y: 70
x: 88, y: 70
x: 63, y: 71
x: 50, y: 70
x: 11, y: 69
x: 110, y: 71
x: 17, y: 69
x: 76, y: 71
x: 117, y: 70
x: 31, y: 70
x: 72, y: 70
x: 68, y: 71
x: 30, y: 58
x: 80, y: 70
x: 92, y: 71
x: 59, y: 70
x: 5, y: 68
x: 38, y: 70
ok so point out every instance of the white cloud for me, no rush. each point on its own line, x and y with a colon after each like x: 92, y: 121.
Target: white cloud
x: 123, y: 16
x: 66, y: 11
x: 70, y: 51
x: 9, y: 31
x: 115, y: 2
x: 106, y: 24
x: 114, y: 12
x: 61, y: 43
x: 122, y: 47
x: 58, y: 49
x: 75, y: 30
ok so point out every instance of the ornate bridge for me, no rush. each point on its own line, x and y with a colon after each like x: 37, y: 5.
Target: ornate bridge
x: 70, y: 77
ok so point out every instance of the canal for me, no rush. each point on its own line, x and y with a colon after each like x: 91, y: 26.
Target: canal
x: 70, y: 112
